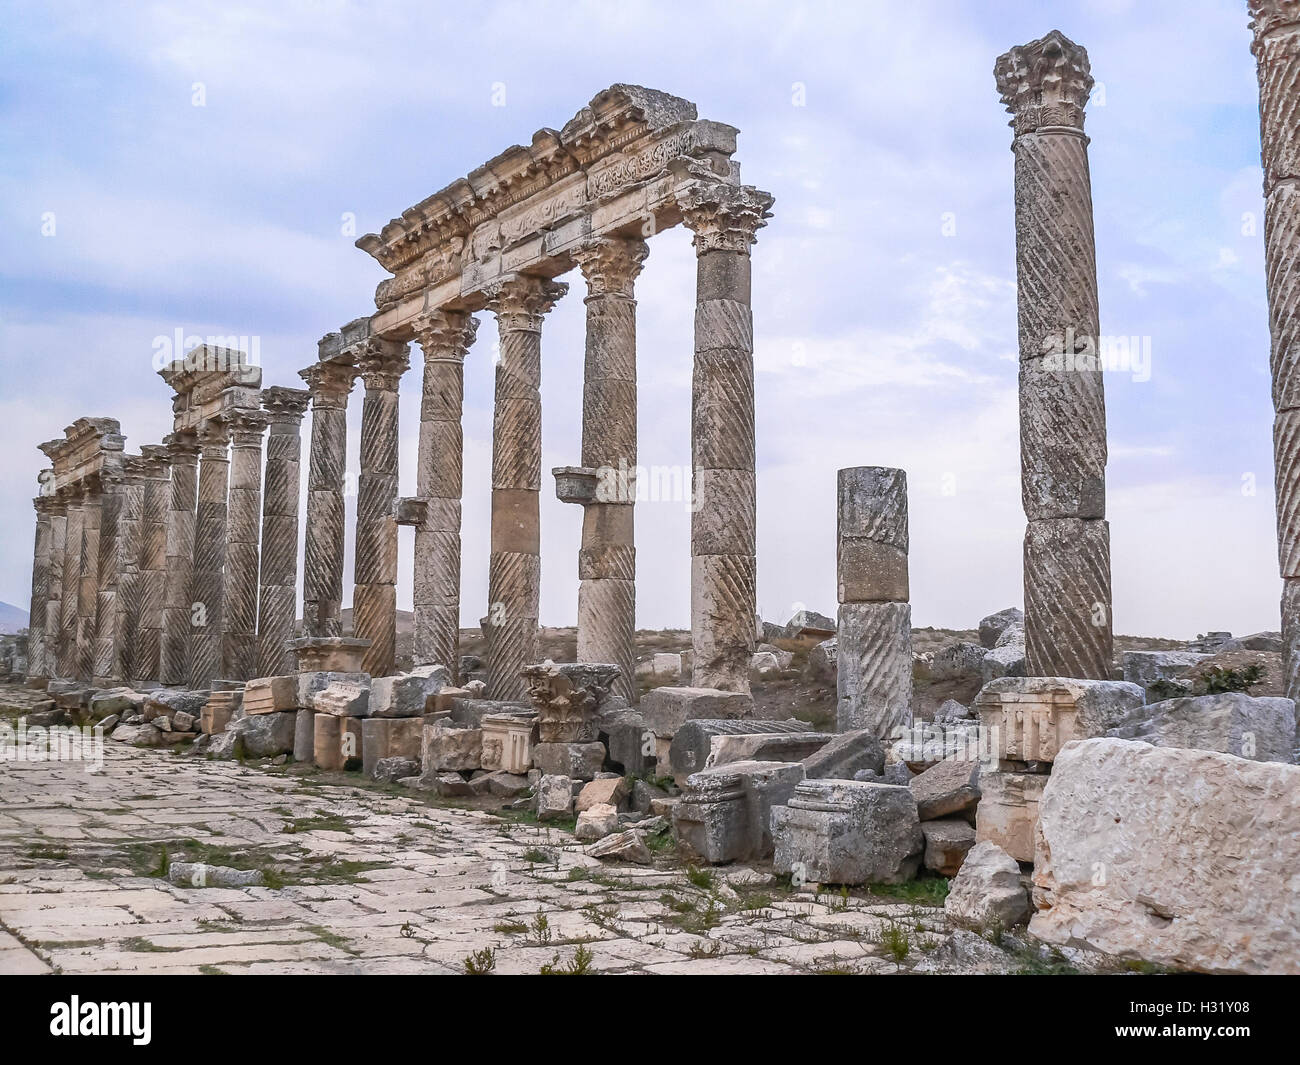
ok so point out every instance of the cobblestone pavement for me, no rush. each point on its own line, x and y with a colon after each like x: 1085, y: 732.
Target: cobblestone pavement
x: 379, y: 881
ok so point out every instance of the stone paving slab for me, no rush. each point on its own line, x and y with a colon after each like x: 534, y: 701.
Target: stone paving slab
x: 371, y: 880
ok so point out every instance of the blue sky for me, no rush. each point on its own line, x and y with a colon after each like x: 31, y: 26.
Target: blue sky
x: 880, y: 340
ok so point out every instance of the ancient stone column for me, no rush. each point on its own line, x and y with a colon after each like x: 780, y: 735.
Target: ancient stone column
x: 152, y: 561
x: 725, y: 219
x: 37, y: 667
x: 54, y: 635
x: 88, y: 583
x: 875, y: 621
x: 514, y: 569
x: 109, y: 606
x: 1045, y: 86
x: 322, y: 567
x: 74, y: 526
x: 130, y: 588
x: 278, y: 593
x: 183, y: 451
x: 444, y: 337
x: 1276, y: 47
x: 374, y: 590
x: 243, y: 526
x: 208, y: 579
x: 607, y: 558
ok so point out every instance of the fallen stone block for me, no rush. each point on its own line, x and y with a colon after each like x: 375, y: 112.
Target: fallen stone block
x: 822, y: 661
x: 200, y: 875
x: 724, y: 814
x: 554, y: 798
x: 506, y: 785
x: 1028, y: 719
x: 508, y: 742
x: 578, y: 761
x: 394, y: 769
x: 115, y: 701
x: 946, y: 789
x: 947, y: 842
x: 690, y: 747
x: 596, y: 822
x: 164, y: 701
x: 446, y: 747
x: 1144, y: 668
x: 846, y: 832
x: 390, y: 737
x: 956, y: 661
x: 183, y: 722
x: 846, y: 754
x: 993, y: 626
x: 470, y: 712
x: 266, y: 735
x: 1181, y: 857
x: 809, y: 623
x: 631, y: 746
x: 665, y: 710
x: 1261, y: 729
x: 342, y: 699
x: 218, y: 710
x: 406, y: 694
x: 1008, y: 811
x: 327, y: 742
x: 606, y: 791
x: 988, y: 890
x: 765, y: 747
x: 626, y: 846
x: 270, y: 695
x: 309, y: 684
x: 143, y: 735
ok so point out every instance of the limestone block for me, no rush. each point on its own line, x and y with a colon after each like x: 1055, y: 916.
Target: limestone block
x: 142, y: 735
x: 1144, y: 668
x: 631, y: 747
x: 822, y: 661
x: 269, y: 695
x: 626, y: 846
x: 216, y: 713
x: 846, y: 754
x: 314, y: 681
x: 994, y: 625
x: 1261, y: 729
x: 578, y: 761
x: 725, y: 812
x: 304, y: 735
x: 608, y: 791
x: 1029, y: 719
x: 1008, y: 660
x: 327, y: 742
x: 343, y: 699
x: 554, y: 798
x: 115, y: 701
x: 395, y: 770
x: 765, y: 747
x: 987, y: 890
x: 596, y: 822
x: 1178, y: 857
x: 872, y: 505
x: 329, y: 654
x: 406, y: 694
x: 508, y: 742
x: 947, y: 842
x: 848, y: 832
x: 666, y: 665
x: 874, y: 674
x: 266, y: 735
x: 693, y: 743
x: 446, y: 747
x: 809, y: 623
x: 390, y: 737
x: 469, y: 712
x: 1008, y: 811
x: 871, y: 572
x: 946, y: 789
x: 665, y: 710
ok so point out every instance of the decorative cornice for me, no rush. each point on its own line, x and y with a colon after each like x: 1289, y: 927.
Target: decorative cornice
x: 724, y: 217
x: 445, y: 335
x: 611, y: 265
x: 1269, y: 16
x: 522, y: 301
x: 1045, y: 83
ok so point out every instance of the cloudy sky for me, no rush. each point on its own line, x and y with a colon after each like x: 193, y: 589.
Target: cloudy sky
x: 194, y: 165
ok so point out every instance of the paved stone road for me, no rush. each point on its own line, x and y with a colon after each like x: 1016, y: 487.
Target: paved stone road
x: 383, y: 881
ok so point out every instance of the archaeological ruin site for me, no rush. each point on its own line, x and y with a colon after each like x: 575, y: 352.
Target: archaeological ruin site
x: 284, y: 783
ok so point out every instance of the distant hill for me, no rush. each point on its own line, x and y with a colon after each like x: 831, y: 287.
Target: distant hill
x: 12, y: 618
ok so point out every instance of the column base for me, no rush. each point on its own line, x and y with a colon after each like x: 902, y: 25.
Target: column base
x: 341, y: 654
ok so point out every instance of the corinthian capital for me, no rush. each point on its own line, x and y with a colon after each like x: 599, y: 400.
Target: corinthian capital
x: 724, y: 217
x: 444, y: 335
x: 182, y: 448
x: 1045, y: 83
x: 1269, y: 15
x: 382, y: 363
x: 284, y: 405
x: 329, y: 382
x: 246, y: 426
x: 611, y: 264
x: 520, y: 302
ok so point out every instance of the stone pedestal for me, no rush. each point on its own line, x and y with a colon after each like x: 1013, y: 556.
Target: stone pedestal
x: 374, y: 591
x: 328, y: 654
x: 278, y: 576
x: 1045, y: 86
x: 239, y: 649
x: 183, y: 451
x: 508, y: 742
x: 514, y: 568
x: 1008, y: 811
x: 444, y: 337
x: 724, y: 219
x: 725, y: 813
x: 874, y: 646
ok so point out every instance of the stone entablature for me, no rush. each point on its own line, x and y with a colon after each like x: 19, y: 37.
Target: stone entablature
x: 209, y: 381
x: 90, y: 452
x: 618, y: 167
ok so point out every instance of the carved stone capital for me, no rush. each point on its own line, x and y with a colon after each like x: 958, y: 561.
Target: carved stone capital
x: 246, y: 426
x: 1268, y: 16
x: 285, y: 405
x: 47, y: 505
x: 520, y: 302
x: 182, y: 448
x: 213, y: 437
x: 1045, y: 83
x: 382, y: 363
x: 611, y: 264
x: 444, y: 335
x: 724, y: 217
x: 329, y: 382
x: 159, y: 455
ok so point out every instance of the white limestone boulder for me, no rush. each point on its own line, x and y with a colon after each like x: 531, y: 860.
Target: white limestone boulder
x: 987, y: 890
x: 1262, y: 729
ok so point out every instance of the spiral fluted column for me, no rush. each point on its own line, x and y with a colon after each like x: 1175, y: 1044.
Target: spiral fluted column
x: 88, y: 582
x: 243, y: 521
x: 725, y: 220
x: 374, y: 591
x: 54, y: 633
x: 278, y: 577
x: 207, y: 581
x: 514, y: 569
x: 444, y: 337
x: 69, y: 613
x: 1067, y: 581
x: 146, y: 659
x: 183, y: 452
x: 37, y: 667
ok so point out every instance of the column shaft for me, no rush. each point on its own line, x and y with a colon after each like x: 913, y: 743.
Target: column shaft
x: 444, y: 338
x: 724, y: 219
x: 277, y: 597
x: 183, y: 450
x: 1045, y: 86
x: 37, y: 662
x: 88, y: 584
x: 514, y: 568
x: 152, y: 562
x: 243, y: 524
x: 130, y: 586
x: 54, y: 636
x: 374, y: 590
x: 69, y: 611
x: 207, y: 581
